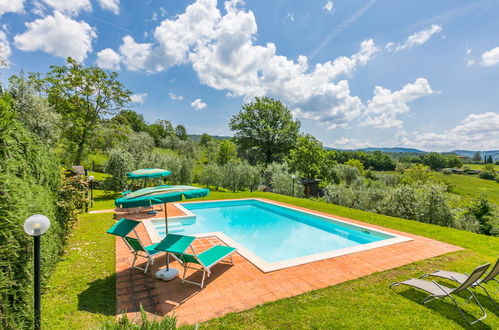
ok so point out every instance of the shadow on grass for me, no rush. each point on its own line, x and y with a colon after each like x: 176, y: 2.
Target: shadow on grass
x: 447, y: 309
x: 99, y: 297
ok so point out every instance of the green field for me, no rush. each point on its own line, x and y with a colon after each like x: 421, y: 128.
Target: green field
x: 77, y: 298
x: 471, y: 186
x: 479, y: 166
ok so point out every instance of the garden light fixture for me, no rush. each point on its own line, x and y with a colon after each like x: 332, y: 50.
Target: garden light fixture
x: 36, y: 225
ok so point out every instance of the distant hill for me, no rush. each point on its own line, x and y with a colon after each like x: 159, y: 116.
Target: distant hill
x: 390, y: 150
x: 464, y: 153
x: 470, y: 153
x: 196, y: 137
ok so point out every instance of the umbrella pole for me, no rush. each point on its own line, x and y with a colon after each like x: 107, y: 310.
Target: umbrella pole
x: 166, y: 230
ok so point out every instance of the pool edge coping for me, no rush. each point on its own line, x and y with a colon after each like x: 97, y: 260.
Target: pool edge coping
x: 265, y: 266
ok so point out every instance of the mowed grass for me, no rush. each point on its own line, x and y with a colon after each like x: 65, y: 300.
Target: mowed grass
x: 471, y: 186
x: 364, y: 303
x: 81, y: 292
x: 479, y: 166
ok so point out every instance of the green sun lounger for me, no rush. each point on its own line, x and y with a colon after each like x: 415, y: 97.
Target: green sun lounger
x: 205, y: 260
x: 124, y: 227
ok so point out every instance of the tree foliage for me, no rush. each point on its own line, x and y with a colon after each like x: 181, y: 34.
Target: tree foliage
x: 307, y: 157
x: 30, y: 183
x: 266, y: 126
x: 34, y: 110
x: 227, y: 151
x: 83, y: 96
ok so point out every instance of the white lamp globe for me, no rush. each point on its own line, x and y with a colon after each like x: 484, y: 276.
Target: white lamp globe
x: 36, y: 225
x: 91, y: 178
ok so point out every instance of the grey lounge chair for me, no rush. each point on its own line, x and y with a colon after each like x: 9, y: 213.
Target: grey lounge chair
x: 438, y: 291
x: 460, y: 278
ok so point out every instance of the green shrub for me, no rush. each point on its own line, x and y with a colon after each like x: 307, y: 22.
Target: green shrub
x: 487, y: 175
x: 119, y: 164
x: 284, y: 184
x: 29, y: 180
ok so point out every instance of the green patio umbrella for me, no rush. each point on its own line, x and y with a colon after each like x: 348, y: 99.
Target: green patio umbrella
x: 147, y: 173
x: 161, y: 195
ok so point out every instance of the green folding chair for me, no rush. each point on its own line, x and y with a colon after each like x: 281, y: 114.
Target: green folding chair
x: 124, y: 227
x: 206, y: 260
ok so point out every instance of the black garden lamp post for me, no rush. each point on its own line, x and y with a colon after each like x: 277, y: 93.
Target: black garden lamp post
x: 91, y: 184
x: 37, y: 225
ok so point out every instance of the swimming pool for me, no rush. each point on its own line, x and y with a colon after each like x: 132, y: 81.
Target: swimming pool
x: 272, y: 236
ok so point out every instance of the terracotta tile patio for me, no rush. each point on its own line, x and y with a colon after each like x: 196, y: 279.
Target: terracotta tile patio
x: 244, y: 286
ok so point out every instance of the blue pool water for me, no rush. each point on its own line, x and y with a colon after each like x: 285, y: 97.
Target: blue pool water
x: 272, y: 232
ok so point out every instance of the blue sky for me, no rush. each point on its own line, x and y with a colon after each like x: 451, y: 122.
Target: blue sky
x: 421, y: 74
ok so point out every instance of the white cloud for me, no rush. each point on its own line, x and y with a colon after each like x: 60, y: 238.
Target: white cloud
x: 348, y: 143
x: 475, y: 132
x: 176, y: 97
x: 58, y: 35
x: 491, y: 57
x: 385, y: 106
x: 290, y: 17
x: 415, y: 39
x: 329, y: 6
x: 198, y: 104
x: 71, y: 7
x: 111, y: 5
x: 4, y: 48
x: 223, y: 53
x: 108, y: 59
x: 11, y: 6
x: 135, y: 55
x: 138, y: 98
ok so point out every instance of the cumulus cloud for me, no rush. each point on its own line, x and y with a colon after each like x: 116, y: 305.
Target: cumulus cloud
x: 11, y: 6
x: 415, y: 39
x: 329, y: 6
x: 138, y: 98
x: 58, y: 35
x: 348, y: 143
x: 198, y: 104
x: 385, y: 106
x: 176, y: 97
x: 111, y: 5
x: 135, y: 55
x: 491, y: 57
x: 71, y: 7
x: 476, y: 131
x: 4, y: 49
x: 108, y: 59
x: 223, y: 53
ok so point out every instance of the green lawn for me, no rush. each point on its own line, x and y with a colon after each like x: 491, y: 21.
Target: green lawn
x: 471, y: 186
x: 98, y: 157
x: 104, y: 200
x: 81, y: 292
x: 364, y: 303
x: 479, y: 166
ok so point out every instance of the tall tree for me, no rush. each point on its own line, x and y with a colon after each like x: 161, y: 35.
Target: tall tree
x: 181, y: 132
x: 477, y: 157
x: 135, y: 120
x: 83, y: 96
x: 267, y: 126
x: 226, y: 152
x: 204, y: 139
x: 307, y: 157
